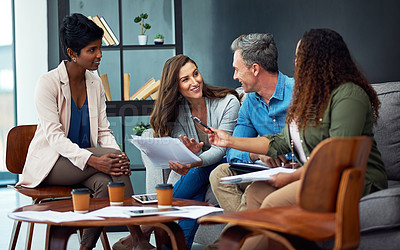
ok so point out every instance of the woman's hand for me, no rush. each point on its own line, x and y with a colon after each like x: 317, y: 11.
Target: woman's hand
x: 192, y: 144
x: 282, y: 179
x: 272, y: 162
x: 125, y: 164
x: 219, y: 137
x: 183, y: 169
x: 111, y: 164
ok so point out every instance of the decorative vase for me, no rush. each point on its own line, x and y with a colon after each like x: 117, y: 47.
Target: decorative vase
x: 158, y: 41
x: 142, y: 39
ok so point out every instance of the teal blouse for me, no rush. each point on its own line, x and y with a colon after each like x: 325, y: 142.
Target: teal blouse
x: 349, y: 113
x: 79, y: 128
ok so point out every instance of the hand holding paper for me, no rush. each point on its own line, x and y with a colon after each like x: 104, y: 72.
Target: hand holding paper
x: 161, y: 151
x: 263, y: 175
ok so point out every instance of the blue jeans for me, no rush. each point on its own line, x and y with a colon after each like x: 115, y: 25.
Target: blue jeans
x: 193, y: 186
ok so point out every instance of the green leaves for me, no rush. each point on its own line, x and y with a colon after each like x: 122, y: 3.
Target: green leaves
x: 158, y: 36
x: 138, y: 130
x: 143, y: 26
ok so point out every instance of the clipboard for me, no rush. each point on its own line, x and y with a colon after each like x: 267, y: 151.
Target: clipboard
x: 247, y: 167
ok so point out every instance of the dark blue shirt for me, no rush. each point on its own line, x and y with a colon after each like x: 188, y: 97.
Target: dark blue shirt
x: 79, y: 128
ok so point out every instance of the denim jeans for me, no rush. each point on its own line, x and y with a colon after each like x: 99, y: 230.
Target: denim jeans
x: 193, y: 186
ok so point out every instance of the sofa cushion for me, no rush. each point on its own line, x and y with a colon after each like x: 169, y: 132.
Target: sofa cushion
x: 380, y: 210
x: 387, y: 130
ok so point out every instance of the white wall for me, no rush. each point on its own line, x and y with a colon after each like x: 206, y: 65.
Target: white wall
x: 30, y: 55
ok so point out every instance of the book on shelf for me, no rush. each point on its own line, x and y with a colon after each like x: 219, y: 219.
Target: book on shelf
x: 150, y: 89
x: 106, y: 36
x: 103, y: 38
x: 154, y: 95
x: 106, y: 86
x: 127, y: 80
x: 146, y: 90
x: 109, y: 30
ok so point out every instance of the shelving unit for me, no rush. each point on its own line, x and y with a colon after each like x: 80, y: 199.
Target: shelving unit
x: 120, y: 108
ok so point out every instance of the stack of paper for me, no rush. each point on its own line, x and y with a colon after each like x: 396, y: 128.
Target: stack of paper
x: 263, y: 175
x: 162, y: 150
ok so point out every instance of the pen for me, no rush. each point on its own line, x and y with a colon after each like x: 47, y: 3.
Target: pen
x: 196, y: 119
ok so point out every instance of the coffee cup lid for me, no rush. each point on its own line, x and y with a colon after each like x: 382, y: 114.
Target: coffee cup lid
x: 115, y: 184
x: 80, y: 191
x: 164, y: 186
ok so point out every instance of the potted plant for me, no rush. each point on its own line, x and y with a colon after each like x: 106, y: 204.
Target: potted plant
x: 143, y: 27
x: 139, y: 128
x: 159, y: 39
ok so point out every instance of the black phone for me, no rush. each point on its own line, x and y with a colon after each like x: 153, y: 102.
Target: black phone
x: 196, y: 119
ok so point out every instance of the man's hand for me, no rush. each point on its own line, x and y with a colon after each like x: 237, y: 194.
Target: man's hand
x: 191, y: 144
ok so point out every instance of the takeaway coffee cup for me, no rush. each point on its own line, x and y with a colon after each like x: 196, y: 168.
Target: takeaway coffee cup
x: 164, y: 195
x: 80, y: 200
x: 116, y: 193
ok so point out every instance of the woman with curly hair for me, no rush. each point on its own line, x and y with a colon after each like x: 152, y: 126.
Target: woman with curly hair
x: 331, y: 98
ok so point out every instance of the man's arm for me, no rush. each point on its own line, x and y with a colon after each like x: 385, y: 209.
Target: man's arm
x: 243, y: 128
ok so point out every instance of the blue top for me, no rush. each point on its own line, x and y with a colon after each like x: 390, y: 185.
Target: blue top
x: 256, y: 117
x: 79, y: 128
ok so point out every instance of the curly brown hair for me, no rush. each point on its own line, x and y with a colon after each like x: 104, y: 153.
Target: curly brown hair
x: 323, y: 62
x: 166, y: 107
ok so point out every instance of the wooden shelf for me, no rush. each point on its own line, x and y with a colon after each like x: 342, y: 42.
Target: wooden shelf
x: 139, y: 47
x: 129, y: 108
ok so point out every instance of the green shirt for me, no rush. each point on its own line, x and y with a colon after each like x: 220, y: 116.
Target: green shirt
x: 349, y: 113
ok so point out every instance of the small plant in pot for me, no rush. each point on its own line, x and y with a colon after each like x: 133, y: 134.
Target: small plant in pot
x: 143, y: 27
x: 159, y: 39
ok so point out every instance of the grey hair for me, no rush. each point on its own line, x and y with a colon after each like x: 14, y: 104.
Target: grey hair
x: 258, y: 48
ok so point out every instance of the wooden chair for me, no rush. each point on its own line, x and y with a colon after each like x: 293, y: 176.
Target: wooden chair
x: 327, y: 203
x: 18, y: 140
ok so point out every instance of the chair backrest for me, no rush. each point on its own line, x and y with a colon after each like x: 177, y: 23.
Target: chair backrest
x: 18, y: 140
x: 323, y: 171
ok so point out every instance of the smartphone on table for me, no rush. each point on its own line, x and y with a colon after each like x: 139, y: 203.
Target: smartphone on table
x: 152, y: 211
x: 145, y: 198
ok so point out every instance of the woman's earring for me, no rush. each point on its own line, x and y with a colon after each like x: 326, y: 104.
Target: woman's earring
x: 74, y: 59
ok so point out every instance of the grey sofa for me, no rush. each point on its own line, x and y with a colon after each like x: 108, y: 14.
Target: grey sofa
x: 380, y: 211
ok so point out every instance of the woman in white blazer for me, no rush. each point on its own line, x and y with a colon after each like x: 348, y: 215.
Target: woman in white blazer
x: 73, y: 143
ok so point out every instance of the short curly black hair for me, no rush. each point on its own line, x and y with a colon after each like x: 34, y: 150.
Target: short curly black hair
x: 77, y: 31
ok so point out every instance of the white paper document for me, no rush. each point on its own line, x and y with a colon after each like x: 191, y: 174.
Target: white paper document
x: 263, y: 175
x: 194, y: 212
x: 191, y: 212
x: 53, y: 216
x: 117, y: 211
x: 164, y: 149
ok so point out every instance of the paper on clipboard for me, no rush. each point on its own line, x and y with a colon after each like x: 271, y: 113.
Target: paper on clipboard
x: 164, y: 149
x: 263, y: 175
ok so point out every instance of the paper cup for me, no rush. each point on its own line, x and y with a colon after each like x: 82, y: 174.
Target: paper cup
x: 164, y: 195
x: 80, y: 200
x: 116, y: 193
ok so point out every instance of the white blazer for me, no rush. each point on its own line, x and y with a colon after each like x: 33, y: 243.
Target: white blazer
x: 53, y: 104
